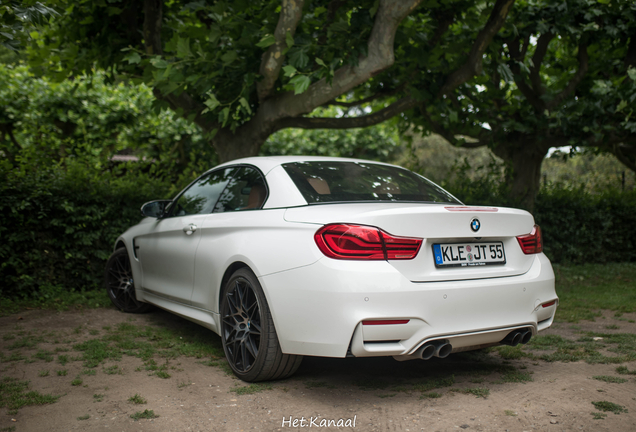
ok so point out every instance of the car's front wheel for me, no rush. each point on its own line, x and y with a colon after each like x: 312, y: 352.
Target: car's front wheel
x: 118, y: 279
x: 249, y: 337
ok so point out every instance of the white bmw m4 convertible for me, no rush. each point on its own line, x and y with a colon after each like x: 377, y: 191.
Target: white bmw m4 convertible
x: 291, y: 256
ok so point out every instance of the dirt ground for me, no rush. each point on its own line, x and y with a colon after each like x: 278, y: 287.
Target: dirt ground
x: 198, y: 397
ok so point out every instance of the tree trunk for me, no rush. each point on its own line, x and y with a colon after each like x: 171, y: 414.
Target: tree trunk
x: 246, y: 141
x: 524, y: 157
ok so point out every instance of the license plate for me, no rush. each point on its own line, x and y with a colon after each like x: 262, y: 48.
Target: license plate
x: 469, y: 254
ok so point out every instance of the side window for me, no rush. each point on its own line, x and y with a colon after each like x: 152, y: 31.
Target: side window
x: 201, y: 197
x: 245, y: 191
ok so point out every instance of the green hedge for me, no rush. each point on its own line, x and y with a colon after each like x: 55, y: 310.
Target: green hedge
x: 59, y: 224
x: 580, y: 227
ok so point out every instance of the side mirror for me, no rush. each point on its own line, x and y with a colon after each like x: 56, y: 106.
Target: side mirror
x: 155, y: 209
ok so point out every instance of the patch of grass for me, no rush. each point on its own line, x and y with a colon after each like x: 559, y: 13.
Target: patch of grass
x: 319, y: 384
x: 606, y: 406
x: 77, y: 382
x: 476, y: 391
x: 84, y: 417
x: 517, y: 377
x: 113, y: 370
x: 62, y: 359
x: 145, y: 414
x: 431, y: 395
x: 510, y: 413
x: 47, y: 356
x: 8, y: 337
x: 95, y: 351
x: 432, y: 384
x: 8, y: 429
x: 15, y: 394
x: 62, y: 372
x: 43, y: 373
x: 183, y: 384
x: 367, y: 384
x: 477, y: 380
x: 612, y: 327
x: 610, y: 379
x: 15, y: 356
x: 98, y: 397
x: 251, y: 389
x: 586, y: 289
x: 388, y: 395
x: 511, y: 353
x: 93, y: 332
x: 624, y: 371
x: 163, y: 374
x: 29, y: 341
x: 137, y: 399
x: 598, y: 416
x: 89, y: 372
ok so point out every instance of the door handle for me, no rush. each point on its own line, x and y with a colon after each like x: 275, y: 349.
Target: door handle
x: 190, y: 229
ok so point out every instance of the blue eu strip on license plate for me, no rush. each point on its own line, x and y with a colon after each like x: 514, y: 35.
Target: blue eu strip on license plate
x: 468, y: 254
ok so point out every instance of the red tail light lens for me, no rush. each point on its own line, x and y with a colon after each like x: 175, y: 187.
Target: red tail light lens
x: 531, y: 243
x: 361, y: 242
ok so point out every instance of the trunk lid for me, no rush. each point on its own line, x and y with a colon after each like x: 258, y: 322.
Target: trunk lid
x: 436, y: 224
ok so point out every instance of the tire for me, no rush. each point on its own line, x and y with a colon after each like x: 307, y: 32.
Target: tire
x: 248, y: 334
x: 118, y: 281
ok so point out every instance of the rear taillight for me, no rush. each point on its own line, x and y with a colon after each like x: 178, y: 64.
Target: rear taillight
x: 360, y: 242
x: 531, y: 243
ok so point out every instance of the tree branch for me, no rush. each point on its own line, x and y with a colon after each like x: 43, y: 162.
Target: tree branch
x: 153, y: 15
x: 380, y: 56
x: 348, y: 122
x: 272, y: 60
x: 576, y: 79
x: 473, y: 65
x: 368, y: 99
x: 517, y: 56
x: 630, y: 58
x: 537, y: 60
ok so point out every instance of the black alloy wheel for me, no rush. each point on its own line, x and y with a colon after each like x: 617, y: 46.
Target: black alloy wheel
x: 247, y: 330
x: 119, y: 282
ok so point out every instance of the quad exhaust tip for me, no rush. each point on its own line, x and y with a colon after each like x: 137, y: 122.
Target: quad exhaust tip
x: 516, y: 337
x: 440, y: 348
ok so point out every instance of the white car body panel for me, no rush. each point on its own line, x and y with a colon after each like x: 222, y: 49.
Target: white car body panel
x: 318, y: 303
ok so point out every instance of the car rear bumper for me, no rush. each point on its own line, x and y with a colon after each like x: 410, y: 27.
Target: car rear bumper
x: 318, y: 309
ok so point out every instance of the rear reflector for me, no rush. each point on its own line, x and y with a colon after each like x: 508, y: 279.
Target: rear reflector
x: 361, y: 242
x: 531, y: 243
x: 384, y: 322
x: 548, y: 304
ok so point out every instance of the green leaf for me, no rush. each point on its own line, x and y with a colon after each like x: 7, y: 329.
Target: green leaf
x: 132, y: 58
x: 374, y: 8
x: 298, y: 59
x: 506, y: 73
x: 320, y: 62
x: 211, y: 102
x: 229, y: 57
x: 632, y: 73
x: 183, y: 48
x: 266, y: 41
x: 224, y: 115
x: 289, y: 70
x: 289, y: 39
x: 245, y: 105
x: 621, y: 106
x: 159, y: 63
x: 300, y: 83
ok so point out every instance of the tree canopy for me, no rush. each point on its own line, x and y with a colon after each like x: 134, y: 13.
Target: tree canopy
x: 244, y: 69
x: 519, y: 77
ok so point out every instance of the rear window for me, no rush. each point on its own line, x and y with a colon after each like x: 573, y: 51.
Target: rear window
x: 323, y: 182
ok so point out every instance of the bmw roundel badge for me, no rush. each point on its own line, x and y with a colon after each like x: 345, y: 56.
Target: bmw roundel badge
x: 475, y: 224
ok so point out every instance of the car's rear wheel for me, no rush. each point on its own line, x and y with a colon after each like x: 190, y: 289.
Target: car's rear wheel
x: 249, y: 337
x: 118, y: 279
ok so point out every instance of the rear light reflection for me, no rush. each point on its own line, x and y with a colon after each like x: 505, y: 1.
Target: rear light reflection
x: 548, y: 304
x: 384, y: 322
x: 361, y: 242
x: 531, y: 243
